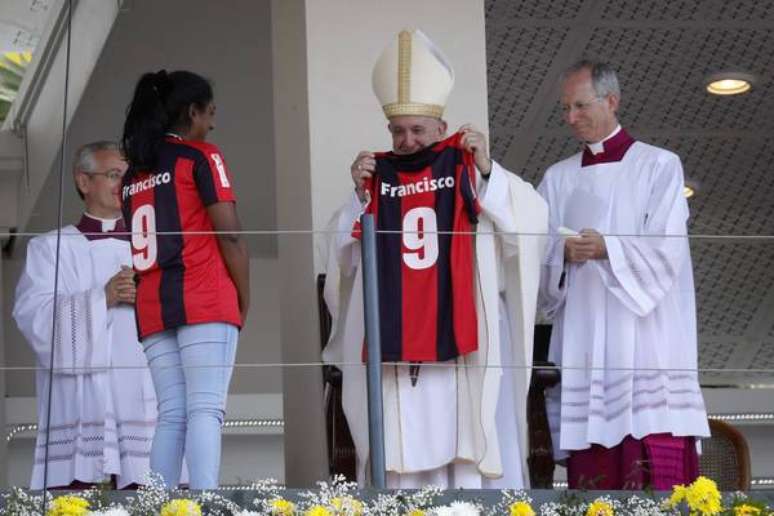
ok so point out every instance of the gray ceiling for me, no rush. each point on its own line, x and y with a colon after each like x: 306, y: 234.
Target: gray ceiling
x: 663, y: 50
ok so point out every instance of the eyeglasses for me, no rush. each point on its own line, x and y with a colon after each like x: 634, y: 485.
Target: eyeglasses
x: 113, y: 175
x: 580, y: 105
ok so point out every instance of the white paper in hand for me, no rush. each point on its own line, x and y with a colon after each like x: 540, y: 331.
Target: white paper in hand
x: 584, y: 210
x: 565, y: 231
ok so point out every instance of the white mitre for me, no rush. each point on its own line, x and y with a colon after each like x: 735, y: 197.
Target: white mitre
x: 412, y: 77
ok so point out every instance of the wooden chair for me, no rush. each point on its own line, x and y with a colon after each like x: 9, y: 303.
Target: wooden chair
x: 341, y: 449
x: 541, y: 451
x: 725, y: 457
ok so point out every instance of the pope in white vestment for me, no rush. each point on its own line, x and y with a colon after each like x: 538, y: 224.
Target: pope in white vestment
x: 103, y: 409
x: 463, y: 424
x: 624, y: 324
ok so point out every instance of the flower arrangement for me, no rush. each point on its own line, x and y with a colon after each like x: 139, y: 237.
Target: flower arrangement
x: 68, y: 505
x: 600, y: 507
x: 341, y: 498
x: 702, y: 497
x: 181, y: 507
x: 282, y: 507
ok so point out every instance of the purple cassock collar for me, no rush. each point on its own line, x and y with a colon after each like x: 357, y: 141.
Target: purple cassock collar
x: 615, y: 148
x: 92, y: 229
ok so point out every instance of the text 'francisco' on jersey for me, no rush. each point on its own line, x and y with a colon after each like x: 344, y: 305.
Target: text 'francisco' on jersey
x: 182, y: 278
x: 426, y: 207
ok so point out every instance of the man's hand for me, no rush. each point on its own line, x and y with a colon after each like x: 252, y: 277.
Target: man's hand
x: 474, y: 141
x: 362, y: 168
x: 589, y: 245
x: 121, y: 288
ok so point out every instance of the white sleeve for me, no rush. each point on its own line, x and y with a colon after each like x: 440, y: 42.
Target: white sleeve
x: 81, y: 317
x: 495, y: 196
x: 552, y: 275
x: 347, y: 246
x: 641, y: 270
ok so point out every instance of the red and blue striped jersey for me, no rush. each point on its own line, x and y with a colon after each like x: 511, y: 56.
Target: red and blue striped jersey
x: 425, y: 207
x: 182, y: 278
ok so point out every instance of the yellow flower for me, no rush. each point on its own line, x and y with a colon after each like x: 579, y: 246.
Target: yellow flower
x: 703, y: 496
x: 282, y: 507
x: 521, y: 509
x: 678, y: 495
x: 68, y: 506
x: 181, y: 507
x: 318, y: 510
x: 415, y: 512
x: 600, y: 508
x: 348, y: 505
x: 746, y: 510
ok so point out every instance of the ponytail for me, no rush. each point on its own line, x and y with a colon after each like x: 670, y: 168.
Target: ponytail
x: 160, y: 104
x: 146, y: 121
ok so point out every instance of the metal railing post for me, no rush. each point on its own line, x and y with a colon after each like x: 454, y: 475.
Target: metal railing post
x: 374, y: 347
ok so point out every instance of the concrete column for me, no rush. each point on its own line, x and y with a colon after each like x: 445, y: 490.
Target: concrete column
x: 3, y: 445
x: 304, y: 437
x: 325, y: 113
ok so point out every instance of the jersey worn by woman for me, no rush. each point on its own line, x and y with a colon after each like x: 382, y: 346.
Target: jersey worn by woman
x: 182, y: 276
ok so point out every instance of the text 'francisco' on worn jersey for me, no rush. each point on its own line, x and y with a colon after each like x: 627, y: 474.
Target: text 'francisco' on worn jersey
x: 182, y: 278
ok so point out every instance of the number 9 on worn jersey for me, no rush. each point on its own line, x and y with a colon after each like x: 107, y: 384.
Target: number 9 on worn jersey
x: 426, y: 206
x: 144, y: 243
x: 181, y: 273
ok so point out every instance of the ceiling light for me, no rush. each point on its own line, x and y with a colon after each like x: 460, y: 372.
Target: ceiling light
x: 690, y: 188
x: 729, y: 83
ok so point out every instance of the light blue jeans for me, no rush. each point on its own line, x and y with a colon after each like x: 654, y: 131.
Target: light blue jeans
x: 191, y: 368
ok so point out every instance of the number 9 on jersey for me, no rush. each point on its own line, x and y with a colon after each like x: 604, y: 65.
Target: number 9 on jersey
x: 144, y: 244
x: 420, y: 238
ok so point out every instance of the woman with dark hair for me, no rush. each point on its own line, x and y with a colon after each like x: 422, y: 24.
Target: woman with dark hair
x: 192, y: 267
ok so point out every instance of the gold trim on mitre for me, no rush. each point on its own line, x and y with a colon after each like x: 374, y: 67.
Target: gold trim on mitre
x: 413, y: 109
x: 404, y: 67
x: 412, y: 77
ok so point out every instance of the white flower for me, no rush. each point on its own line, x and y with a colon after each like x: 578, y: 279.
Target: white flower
x: 465, y: 509
x: 443, y: 511
x: 246, y: 513
x: 113, y: 511
x: 456, y: 509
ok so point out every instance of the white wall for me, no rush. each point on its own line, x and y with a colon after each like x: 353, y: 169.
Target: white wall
x: 345, y: 38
